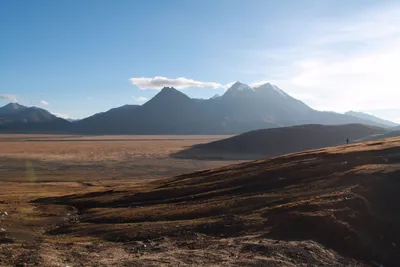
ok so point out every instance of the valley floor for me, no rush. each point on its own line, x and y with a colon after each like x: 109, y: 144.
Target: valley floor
x: 35, y: 166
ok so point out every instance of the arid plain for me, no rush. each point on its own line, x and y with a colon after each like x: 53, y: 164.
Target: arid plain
x: 35, y: 166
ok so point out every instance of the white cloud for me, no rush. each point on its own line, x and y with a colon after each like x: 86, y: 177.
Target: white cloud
x: 140, y: 99
x: 352, y: 64
x: 62, y: 115
x: 44, y: 102
x: 362, y: 81
x: 11, y: 98
x: 159, y: 82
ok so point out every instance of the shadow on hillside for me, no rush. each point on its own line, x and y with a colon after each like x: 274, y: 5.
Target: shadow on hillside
x: 197, y: 153
x: 344, y: 198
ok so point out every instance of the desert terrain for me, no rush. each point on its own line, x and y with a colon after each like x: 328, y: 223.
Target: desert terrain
x: 99, y: 201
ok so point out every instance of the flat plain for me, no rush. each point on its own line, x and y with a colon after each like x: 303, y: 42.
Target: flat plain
x: 34, y: 166
x: 51, y: 158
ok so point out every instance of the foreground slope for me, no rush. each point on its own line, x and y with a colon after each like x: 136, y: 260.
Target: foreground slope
x: 328, y: 207
x: 279, y: 141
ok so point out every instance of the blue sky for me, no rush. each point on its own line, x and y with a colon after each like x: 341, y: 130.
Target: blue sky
x: 77, y: 58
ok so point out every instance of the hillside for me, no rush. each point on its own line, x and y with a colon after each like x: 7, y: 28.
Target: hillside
x: 279, y: 141
x: 115, y: 120
x: 56, y: 126
x: 327, y: 207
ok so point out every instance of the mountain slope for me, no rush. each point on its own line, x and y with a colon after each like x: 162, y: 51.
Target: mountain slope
x: 56, y: 126
x: 328, y: 207
x: 169, y: 112
x: 365, y: 116
x: 279, y: 141
x: 14, y: 112
x: 264, y: 104
x: 11, y: 108
x: 116, y: 120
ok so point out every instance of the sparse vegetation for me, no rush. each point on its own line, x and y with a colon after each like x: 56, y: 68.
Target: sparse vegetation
x: 333, y: 207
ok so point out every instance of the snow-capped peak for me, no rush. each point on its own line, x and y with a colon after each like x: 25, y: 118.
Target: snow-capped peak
x: 268, y: 86
x: 238, y: 87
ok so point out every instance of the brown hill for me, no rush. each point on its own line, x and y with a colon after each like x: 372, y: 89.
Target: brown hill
x: 329, y: 207
x: 279, y: 141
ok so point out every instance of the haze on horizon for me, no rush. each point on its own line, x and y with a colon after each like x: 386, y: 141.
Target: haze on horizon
x: 78, y: 58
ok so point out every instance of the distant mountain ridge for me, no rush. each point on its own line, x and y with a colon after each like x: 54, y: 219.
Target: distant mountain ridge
x: 15, y: 112
x: 240, y: 109
x: 16, y: 118
x: 366, y: 116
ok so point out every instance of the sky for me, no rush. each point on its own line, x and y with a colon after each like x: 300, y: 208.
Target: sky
x: 76, y: 58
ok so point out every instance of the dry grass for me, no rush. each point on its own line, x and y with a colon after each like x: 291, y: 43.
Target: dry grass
x: 73, y: 158
x: 95, y: 148
x: 37, y: 166
x: 328, y: 207
x: 344, y: 198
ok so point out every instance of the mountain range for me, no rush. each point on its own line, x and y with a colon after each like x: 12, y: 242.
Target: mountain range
x: 240, y: 109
